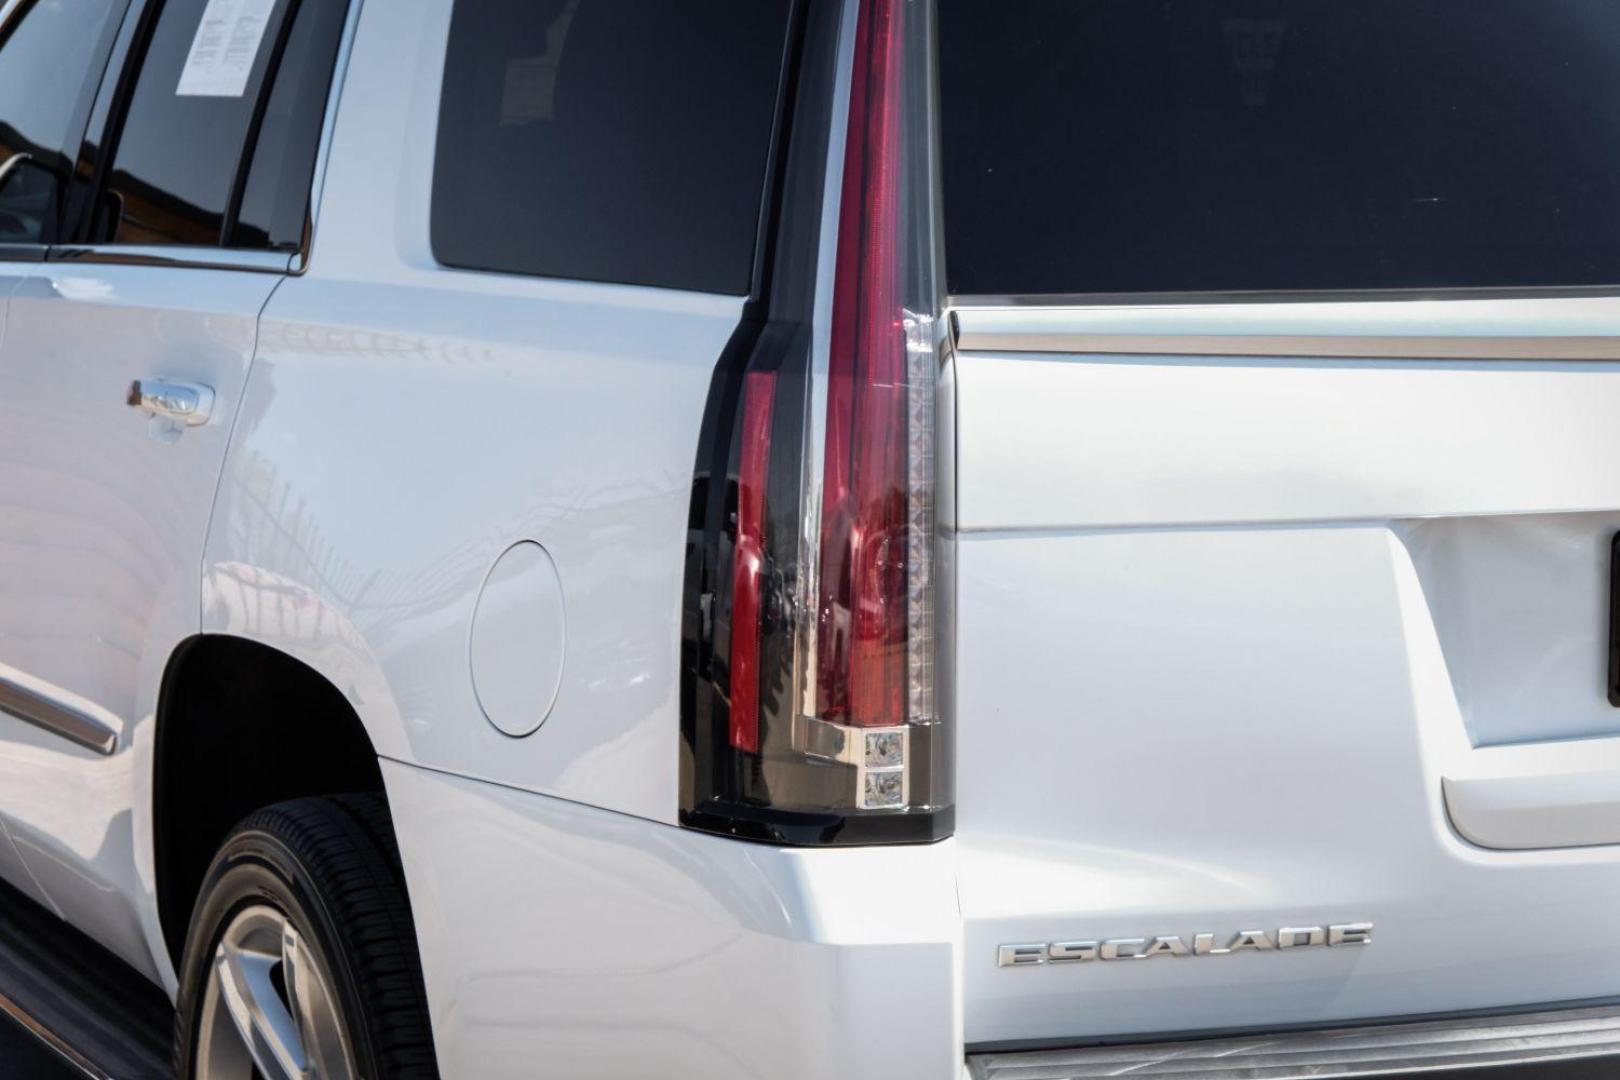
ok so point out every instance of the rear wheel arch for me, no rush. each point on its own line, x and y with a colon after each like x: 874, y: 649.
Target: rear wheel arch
x: 241, y: 726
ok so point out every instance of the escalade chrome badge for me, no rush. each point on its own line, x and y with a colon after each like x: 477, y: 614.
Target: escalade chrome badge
x: 1289, y: 937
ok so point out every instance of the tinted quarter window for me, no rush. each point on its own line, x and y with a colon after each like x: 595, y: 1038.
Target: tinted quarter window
x: 51, y: 60
x: 607, y: 140
x: 1104, y: 146
x: 175, y: 165
x: 275, y: 201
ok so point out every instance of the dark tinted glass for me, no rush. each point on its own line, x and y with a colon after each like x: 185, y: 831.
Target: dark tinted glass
x: 1096, y: 146
x: 50, y: 64
x: 177, y: 157
x: 276, y: 199
x: 607, y: 140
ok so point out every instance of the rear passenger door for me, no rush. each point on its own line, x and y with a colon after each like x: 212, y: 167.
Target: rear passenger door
x: 124, y: 358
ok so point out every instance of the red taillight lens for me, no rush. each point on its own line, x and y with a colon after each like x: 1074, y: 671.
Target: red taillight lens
x: 747, y: 581
x: 822, y: 728
x: 861, y: 667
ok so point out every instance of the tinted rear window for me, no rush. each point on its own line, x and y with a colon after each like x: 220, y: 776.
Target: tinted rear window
x: 607, y: 140
x: 1103, y: 146
x: 181, y: 144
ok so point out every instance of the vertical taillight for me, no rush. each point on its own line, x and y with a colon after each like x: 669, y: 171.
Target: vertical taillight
x: 821, y: 724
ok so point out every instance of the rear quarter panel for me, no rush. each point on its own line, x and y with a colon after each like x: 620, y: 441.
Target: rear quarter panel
x: 404, y: 425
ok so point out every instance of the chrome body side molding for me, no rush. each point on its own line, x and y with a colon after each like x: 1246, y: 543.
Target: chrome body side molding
x: 1384, y: 1050
x: 34, y: 708
x: 1477, y: 328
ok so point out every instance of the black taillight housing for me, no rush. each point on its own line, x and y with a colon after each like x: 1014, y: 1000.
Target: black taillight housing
x: 810, y: 707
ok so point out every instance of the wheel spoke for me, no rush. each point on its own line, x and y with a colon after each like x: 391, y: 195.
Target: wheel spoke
x: 267, y: 1028
x: 319, y: 1030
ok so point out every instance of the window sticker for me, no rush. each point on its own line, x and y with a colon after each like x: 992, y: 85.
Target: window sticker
x: 222, y: 54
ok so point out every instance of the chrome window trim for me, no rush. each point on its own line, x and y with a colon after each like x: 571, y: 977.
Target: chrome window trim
x: 32, y: 707
x: 340, y: 70
x: 198, y: 257
x: 1574, y: 324
x: 29, y: 253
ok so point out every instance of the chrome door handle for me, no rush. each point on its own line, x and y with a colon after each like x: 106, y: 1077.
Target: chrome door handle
x: 189, y: 403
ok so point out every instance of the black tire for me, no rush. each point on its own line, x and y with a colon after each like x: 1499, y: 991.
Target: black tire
x: 330, y: 866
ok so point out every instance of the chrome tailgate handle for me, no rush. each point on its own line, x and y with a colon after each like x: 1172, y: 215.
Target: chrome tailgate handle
x: 189, y: 403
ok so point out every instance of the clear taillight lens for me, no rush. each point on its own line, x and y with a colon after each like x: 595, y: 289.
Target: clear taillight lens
x: 832, y: 733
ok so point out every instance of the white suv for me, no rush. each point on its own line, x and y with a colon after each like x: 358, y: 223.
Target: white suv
x: 814, y: 538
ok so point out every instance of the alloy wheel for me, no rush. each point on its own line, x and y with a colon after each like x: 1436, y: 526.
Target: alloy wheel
x: 269, y: 1010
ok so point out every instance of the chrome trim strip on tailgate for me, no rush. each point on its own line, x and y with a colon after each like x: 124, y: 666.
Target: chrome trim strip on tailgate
x: 71, y: 724
x: 1538, y: 328
x: 1385, y: 1050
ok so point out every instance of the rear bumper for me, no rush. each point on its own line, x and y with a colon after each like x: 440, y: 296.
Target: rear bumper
x: 569, y: 941
x: 1488, y: 1044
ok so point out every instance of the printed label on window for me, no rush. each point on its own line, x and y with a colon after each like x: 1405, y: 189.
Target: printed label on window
x: 222, y: 53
